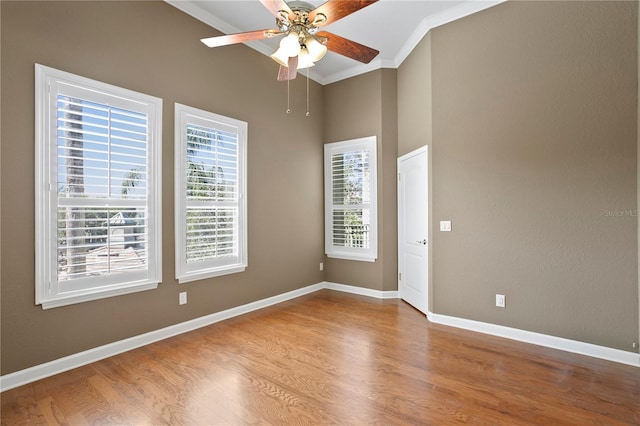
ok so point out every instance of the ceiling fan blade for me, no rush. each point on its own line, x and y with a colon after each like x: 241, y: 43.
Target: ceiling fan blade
x: 276, y: 6
x: 290, y: 72
x: 348, y: 48
x: 225, y: 40
x: 337, y: 9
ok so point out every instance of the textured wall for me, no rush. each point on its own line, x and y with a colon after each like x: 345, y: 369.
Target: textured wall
x: 153, y: 48
x: 366, y: 106
x: 415, y: 99
x: 535, y: 162
x: 389, y: 184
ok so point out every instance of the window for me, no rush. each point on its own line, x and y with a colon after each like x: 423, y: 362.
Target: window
x: 210, y: 203
x: 350, y: 199
x: 98, y: 213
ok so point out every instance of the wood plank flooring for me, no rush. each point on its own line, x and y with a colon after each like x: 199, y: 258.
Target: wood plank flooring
x: 334, y: 358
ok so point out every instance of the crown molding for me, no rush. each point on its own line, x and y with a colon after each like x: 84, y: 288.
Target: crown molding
x: 444, y: 17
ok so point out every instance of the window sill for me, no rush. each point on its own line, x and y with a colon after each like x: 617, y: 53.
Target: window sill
x: 201, y: 275
x: 70, y: 300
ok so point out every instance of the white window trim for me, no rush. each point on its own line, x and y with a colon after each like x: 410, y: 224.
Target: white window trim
x: 361, y: 254
x: 47, y: 80
x: 184, y: 272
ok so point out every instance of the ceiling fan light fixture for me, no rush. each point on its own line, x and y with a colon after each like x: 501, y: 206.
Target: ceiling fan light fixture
x: 281, y: 57
x: 299, y: 23
x: 316, y: 49
x: 290, y: 44
x: 304, y: 59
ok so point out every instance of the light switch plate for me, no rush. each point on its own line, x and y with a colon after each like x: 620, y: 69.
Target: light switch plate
x: 445, y: 225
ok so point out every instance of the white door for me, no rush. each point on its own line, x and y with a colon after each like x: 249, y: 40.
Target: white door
x: 413, y: 229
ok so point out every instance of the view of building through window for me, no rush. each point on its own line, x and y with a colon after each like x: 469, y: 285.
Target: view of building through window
x: 101, y: 188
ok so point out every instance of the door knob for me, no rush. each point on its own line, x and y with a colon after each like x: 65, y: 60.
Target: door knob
x: 423, y: 242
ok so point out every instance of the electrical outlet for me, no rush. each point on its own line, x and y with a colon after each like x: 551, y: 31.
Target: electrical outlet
x: 321, y: 266
x: 182, y: 299
x: 445, y: 225
x: 500, y: 300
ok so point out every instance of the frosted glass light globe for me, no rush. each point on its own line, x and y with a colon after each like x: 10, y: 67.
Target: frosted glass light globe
x: 290, y: 44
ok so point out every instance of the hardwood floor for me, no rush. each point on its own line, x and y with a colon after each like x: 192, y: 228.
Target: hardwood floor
x: 334, y: 358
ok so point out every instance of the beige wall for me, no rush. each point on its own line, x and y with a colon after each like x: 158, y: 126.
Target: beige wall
x: 388, y: 218
x: 534, y: 159
x: 415, y: 118
x: 362, y: 106
x: 153, y: 48
x: 415, y: 99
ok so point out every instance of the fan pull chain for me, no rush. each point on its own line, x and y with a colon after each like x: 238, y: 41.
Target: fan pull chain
x: 308, y: 113
x: 288, y: 108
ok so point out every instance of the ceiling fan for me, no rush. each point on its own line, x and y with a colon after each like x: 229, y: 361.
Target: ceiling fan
x: 303, y: 43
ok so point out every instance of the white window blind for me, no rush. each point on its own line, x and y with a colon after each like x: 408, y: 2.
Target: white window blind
x: 102, y: 186
x: 350, y: 199
x: 210, y: 188
x: 97, y: 165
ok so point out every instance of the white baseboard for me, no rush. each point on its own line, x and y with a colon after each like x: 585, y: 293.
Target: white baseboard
x: 28, y: 375
x: 378, y: 294
x: 574, y: 346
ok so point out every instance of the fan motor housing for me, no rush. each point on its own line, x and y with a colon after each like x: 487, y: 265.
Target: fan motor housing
x: 301, y: 6
x: 301, y: 10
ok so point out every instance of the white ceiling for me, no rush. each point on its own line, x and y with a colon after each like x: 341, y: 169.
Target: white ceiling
x: 394, y: 27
